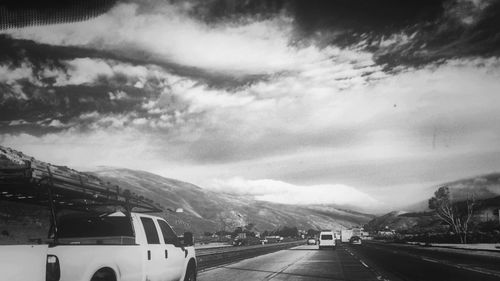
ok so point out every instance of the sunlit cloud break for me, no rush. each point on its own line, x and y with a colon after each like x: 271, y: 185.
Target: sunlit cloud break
x: 286, y: 193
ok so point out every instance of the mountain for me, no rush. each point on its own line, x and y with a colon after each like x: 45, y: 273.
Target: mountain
x: 205, y: 210
x: 406, y: 221
x: 484, y: 188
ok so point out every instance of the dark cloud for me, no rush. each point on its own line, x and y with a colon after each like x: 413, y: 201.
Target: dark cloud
x: 17, y: 51
x: 409, y: 33
x: 468, y: 33
x: 314, y: 15
x: 359, y: 16
x: 441, y: 29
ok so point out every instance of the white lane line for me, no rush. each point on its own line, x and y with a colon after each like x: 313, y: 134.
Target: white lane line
x: 431, y: 260
x: 443, y: 262
x: 377, y: 274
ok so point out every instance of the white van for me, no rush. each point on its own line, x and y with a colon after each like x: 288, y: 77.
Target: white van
x: 326, y: 239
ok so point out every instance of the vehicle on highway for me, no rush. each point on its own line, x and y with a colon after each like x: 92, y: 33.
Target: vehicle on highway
x: 240, y: 239
x: 326, y: 239
x: 274, y: 239
x: 246, y: 241
x: 97, y: 233
x: 355, y: 240
x: 114, y: 247
x: 311, y: 241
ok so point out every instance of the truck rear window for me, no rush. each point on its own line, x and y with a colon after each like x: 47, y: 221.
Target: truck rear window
x: 94, y: 227
x: 326, y: 237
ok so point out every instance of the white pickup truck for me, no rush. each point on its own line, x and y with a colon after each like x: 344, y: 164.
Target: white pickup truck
x: 111, y: 247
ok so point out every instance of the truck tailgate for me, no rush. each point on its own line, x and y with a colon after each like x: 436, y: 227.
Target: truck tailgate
x: 23, y: 262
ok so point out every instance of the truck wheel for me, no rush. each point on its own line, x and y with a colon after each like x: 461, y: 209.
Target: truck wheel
x: 104, y: 274
x: 190, y: 274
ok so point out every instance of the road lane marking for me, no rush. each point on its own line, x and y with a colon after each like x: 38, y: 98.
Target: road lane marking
x: 442, y: 262
x: 430, y: 260
x: 280, y: 271
x: 378, y: 275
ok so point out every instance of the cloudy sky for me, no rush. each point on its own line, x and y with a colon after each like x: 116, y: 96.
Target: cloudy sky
x: 365, y: 103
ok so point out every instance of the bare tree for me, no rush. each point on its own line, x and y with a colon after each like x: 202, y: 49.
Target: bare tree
x: 456, y: 214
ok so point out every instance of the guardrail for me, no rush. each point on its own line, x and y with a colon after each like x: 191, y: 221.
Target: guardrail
x: 211, y: 257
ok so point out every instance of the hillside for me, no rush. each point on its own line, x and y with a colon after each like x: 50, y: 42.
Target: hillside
x: 483, y: 187
x: 406, y: 222
x: 205, y: 210
x: 486, y: 191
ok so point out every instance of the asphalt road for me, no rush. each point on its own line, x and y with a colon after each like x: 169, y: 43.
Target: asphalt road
x: 408, y: 262
x: 299, y: 263
x: 370, y: 261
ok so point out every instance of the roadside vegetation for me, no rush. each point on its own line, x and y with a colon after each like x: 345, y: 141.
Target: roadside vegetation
x: 449, y: 219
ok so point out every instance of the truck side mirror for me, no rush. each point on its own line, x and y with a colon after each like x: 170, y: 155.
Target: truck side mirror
x: 188, y: 239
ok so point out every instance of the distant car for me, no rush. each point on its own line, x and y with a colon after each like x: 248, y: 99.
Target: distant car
x: 311, y: 241
x: 355, y: 240
x: 240, y: 242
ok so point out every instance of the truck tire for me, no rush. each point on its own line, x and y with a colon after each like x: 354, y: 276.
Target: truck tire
x: 104, y: 274
x: 191, y: 271
x: 190, y: 274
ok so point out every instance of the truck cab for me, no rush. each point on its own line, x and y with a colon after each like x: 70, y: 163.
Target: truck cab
x: 119, y: 247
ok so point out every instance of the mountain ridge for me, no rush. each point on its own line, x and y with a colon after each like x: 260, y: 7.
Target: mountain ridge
x: 208, y: 211
x: 484, y: 188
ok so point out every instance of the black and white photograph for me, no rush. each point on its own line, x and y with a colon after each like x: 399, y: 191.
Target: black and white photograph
x: 214, y: 140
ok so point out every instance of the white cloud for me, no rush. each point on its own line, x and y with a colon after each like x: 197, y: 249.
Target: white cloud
x: 17, y: 122
x: 397, y: 40
x: 88, y: 70
x: 201, y: 98
x: 117, y: 95
x: 56, y: 123
x: 83, y: 71
x: 322, y: 110
x: 75, y: 149
x: 282, y: 192
x: 9, y: 74
x: 168, y: 34
x: 467, y: 12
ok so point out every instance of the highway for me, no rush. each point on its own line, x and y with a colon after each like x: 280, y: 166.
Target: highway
x: 408, y: 262
x: 299, y: 263
x: 370, y: 261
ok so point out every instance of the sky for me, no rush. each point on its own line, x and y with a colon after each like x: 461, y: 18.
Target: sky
x: 368, y: 104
